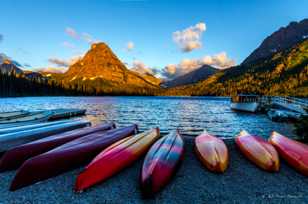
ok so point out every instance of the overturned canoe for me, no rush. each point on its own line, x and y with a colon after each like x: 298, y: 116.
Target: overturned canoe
x: 295, y: 153
x: 116, y: 157
x: 212, y: 152
x: 67, y: 156
x: 15, y: 157
x: 66, y: 113
x: 34, y: 117
x: 14, y: 139
x: 161, y: 163
x: 31, y: 126
x: 13, y: 114
x: 258, y: 151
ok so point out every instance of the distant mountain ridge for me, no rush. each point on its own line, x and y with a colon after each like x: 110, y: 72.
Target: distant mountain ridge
x: 193, y: 77
x: 280, y: 40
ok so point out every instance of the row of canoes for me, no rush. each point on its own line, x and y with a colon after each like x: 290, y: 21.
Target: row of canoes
x: 265, y: 154
x: 107, y: 150
x: 18, y: 118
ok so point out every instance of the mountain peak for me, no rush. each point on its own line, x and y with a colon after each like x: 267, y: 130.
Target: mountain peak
x: 101, y: 64
x: 280, y: 40
x: 99, y: 45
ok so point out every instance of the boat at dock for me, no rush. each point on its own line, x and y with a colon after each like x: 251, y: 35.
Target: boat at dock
x: 247, y: 103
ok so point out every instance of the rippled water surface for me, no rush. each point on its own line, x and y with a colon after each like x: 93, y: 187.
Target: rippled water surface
x: 191, y: 115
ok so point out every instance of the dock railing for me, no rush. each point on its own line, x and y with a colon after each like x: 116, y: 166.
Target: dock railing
x: 268, y: 100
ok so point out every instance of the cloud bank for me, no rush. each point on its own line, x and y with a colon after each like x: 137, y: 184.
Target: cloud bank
x: 139, y: 67
x: 190, y: 38
x: 59, y: 70
x: 220, y: 61
x: 64, y: 63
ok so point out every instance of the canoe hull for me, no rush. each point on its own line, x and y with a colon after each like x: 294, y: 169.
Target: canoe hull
x: 295, y: 153
x: 258, y: 151
x: 68, y: 156
x: 115, y: 158
x: 31, y: 126
x: 12, y: 115
x: 14, y: 158
x: 212, y: 152
x: 34, y: 117
x: 161, y: 163
x: 14, y: 139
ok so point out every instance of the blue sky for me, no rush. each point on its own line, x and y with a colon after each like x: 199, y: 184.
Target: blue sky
x: 34, y: 31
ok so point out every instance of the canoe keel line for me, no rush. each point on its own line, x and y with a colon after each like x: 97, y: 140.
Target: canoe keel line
x: 161, y: 163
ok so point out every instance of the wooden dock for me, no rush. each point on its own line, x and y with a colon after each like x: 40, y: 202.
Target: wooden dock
x: 293, y: 103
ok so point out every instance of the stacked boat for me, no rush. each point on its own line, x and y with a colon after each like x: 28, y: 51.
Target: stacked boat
x: 20, y: 118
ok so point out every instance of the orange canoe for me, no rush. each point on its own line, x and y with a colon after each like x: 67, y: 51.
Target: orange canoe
x: 295, y: 153
x: 115, y: 158
x: 212, y: 152
x: 258, y: 150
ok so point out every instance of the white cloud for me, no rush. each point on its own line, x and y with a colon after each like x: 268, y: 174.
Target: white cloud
x: 52, y: 69
x: 72, y: 32
x: 130, y: 46
x: 190, y: 38
x: 220, y: 61
x: 83, y: 36
x: 64, y: 63
x: 141, y: 68
x: 88, y: 38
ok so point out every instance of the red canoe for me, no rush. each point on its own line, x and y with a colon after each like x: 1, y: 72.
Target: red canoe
x: 14, y: 158
x: 295, y: 153
x: 212, y: 152
x: 68, y: 156
x: 161, y: 163
x: 115, y: 158
x: 258, y: 151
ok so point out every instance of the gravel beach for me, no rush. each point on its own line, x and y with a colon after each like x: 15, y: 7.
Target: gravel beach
x: 243, y: 182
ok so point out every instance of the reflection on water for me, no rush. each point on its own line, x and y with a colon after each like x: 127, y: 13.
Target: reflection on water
x: 190, y: 114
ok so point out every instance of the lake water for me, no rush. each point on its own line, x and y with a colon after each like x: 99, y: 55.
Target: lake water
x: 189, y: 114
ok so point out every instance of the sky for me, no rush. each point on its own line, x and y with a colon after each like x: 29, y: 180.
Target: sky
x: 163, y: 34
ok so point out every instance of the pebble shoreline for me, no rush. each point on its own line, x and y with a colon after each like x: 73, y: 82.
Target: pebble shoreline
x: 243, y: 182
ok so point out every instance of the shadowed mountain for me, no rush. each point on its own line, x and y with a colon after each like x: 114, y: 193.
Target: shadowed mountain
x: 193, y: 77
x: 280, y: 40
x: 7, y: 67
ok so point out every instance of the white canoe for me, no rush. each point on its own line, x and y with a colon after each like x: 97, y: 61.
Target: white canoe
x: 14, y: 139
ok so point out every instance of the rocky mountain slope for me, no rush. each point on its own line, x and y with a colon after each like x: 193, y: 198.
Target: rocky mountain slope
x: 101, y: 64
x: 280, y: 40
